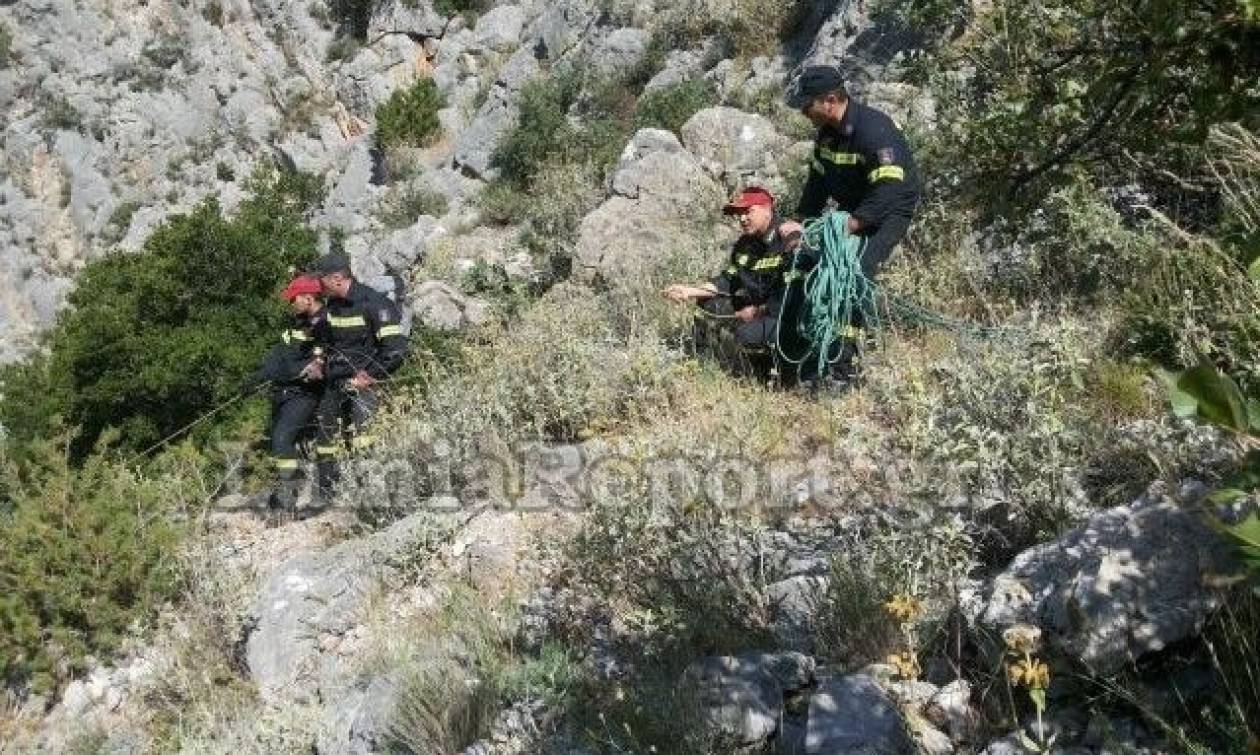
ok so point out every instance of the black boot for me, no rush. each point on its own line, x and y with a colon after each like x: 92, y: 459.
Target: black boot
x: 328, y: 474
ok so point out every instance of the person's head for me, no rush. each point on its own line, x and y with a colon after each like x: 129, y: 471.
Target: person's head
x: 819, y: 94
x: 754, y: 208
x: 302, y: 293
x: 334, y: 274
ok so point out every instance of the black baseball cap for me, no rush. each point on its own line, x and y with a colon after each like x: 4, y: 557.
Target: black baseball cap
x: 814, y: 81
x: 333, y: 262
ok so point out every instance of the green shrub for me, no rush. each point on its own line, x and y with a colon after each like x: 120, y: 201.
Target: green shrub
x: 84, y: 553
x: 407, y: 203
x: 1060, y: 89
x: 6, y: 46
x: 461, y: 7
x: 409, y: 117
x: 152, y: 340
x: 670, y: 107
x: 542, y: 129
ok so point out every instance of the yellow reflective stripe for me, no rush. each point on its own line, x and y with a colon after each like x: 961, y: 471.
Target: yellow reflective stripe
x: 325, y: 450
x: 816, y: 165
x: 791, y: 275
x: 362, y: 441
x: 389, y: 330
x: 892, y: 172
x: 732, y: 270
x: 768, y: 262
x: 285, y: 463
x: 355, y: 321
x: 851, y: 331
x: 296, y: 335
x: 742, y: 260
x: 839, y: 158
x: 285, y: 337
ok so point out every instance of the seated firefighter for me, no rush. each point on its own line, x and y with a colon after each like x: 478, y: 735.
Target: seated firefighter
x: 366, y: 345
x: 748, y: 294
x: 294, y: 368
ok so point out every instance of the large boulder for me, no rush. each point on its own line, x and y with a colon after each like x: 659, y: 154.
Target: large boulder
x: 314, y: 599
x: 660, y: 194
x: 736, y: 147
x: 739, y: 699
x: 851, y: 715
x: 1127, y: 582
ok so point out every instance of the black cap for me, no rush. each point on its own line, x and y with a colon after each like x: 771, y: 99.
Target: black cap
x: 333, y: 262
x: 814, y: 81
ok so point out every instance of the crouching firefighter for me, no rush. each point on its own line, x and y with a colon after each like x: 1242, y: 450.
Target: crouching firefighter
x: 295, y: 369
x: 366, y: 345
x: 748, y: 294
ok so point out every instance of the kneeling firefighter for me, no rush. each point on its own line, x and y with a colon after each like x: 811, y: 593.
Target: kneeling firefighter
x: 295, y: 368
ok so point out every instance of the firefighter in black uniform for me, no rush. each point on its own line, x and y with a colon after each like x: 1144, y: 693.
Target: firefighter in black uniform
x: 861, y: 162
x: 294, y: 367
x: 366, y: 345
x: 749, y: 291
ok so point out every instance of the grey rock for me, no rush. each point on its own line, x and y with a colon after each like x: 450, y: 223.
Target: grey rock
x: 680, y: 66
x: 496, y: 116
x: 1127, y: 582
x: 794, y: 606
x: 401, y: 17
x: 911, y: 692
x: 950, y: 709
x: 562, y: 27
x: 740, y: 698
x: 500, y: 28
x: 406, y: 246
x: 316, y: 596
x: 736, y: 147
x: 930, y: 740
x: 660, y: 192
x: 440, y: 306
x: 620, y: 51
x: 369, y: 727
x: 851, y: 715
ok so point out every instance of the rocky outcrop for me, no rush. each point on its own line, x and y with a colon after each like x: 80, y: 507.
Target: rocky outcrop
x: 658, y: 190
x: 1127, y: 582
x: 850, y: 715
x: 739, y: 699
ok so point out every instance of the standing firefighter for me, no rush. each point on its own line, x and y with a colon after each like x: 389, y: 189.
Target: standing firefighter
x: 748, y: 292
x: 366, y: 345
x: 295, y: 368
x: 861, y: 162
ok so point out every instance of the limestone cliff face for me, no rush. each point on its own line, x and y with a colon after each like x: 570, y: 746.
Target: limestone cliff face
x: 115, y: 114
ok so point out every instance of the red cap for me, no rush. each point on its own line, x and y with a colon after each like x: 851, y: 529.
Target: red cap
x: 304, y: 284
x: 753, y: 196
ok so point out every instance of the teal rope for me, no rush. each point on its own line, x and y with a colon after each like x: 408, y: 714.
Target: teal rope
x: 837, y: 294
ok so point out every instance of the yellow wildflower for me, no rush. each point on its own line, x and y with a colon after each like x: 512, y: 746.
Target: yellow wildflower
x: 1029, y: 672
x: 907, y: 664
x: 904, y: 608
x: 1022, y: 639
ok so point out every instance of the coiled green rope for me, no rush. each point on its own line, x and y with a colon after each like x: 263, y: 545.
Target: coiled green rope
x: 838, y: 297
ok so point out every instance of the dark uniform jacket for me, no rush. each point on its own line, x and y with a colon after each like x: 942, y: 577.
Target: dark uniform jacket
x: 865, y: 165
x: 365, y: 334
x: 299, y: 345
x: 755, y: 272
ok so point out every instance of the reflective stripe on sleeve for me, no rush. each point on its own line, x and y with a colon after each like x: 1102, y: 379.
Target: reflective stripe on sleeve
x: 891, y: 172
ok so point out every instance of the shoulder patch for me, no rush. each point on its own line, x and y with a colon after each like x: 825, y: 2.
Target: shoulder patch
x: 886, y: 156
x: 383, y: 315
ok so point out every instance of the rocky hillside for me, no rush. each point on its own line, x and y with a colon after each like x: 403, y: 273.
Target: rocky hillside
x: 578, y: 534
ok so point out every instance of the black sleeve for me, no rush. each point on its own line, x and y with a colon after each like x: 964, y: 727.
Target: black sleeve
x: 892, y: 180
x: 724, y: 280
x: 391, y: 345
x: 814, y: 195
